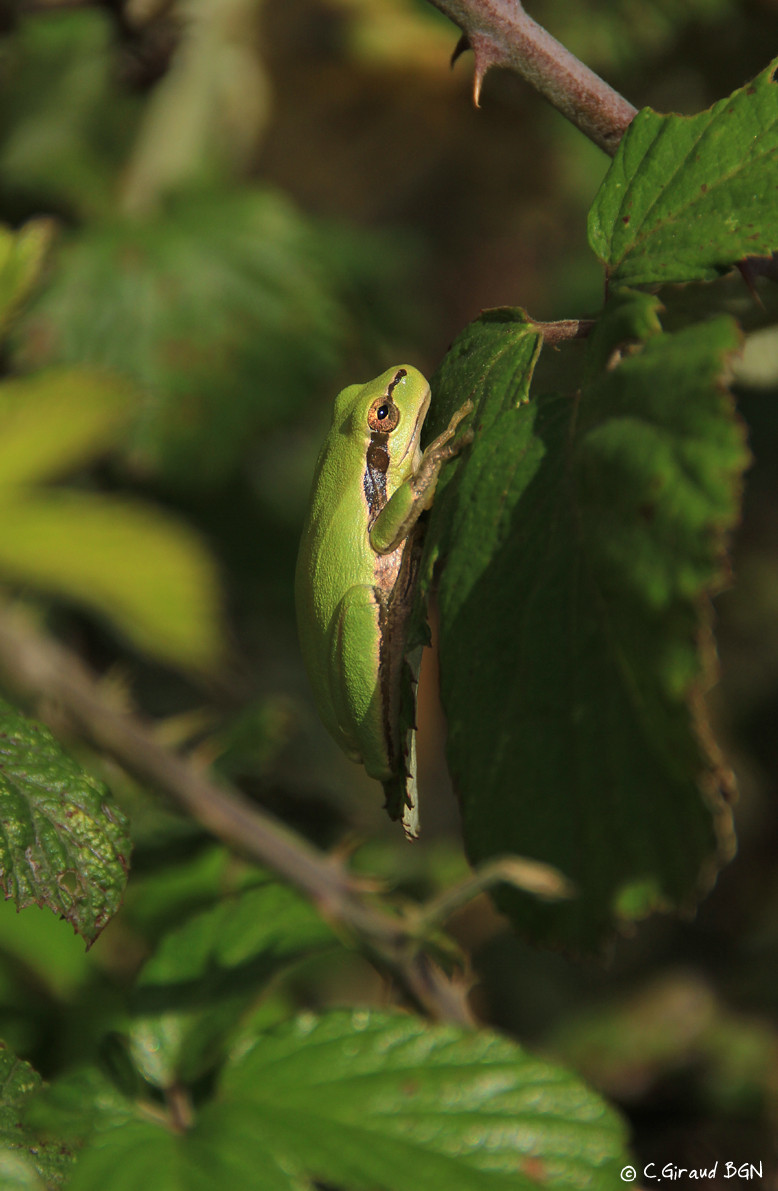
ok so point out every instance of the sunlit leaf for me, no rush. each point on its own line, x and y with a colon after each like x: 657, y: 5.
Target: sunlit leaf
x: 361, y: 1101
x: 54, y: 421
x: 369, y: 1100
x: 688, y: 196
x: 63, y: 843
x: 17, y: 1172
x: 22, y: 255
x: 146, y: 573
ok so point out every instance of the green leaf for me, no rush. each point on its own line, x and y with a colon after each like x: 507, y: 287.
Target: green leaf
x: 132, y: 1144
x: 142, y: 1154
x: 371, y: 1100
x: 506, y: 342
x: 78, y: 1104
x: 146, y: 573
x: 22, y: 255
x: 26, y: 1162
x: 191, y: 992
x: 222, y: 309
x: 143, y: 571
x: 55, y: 421
x: 17, y: 1173
x: 63, y: 843
x: 584, y: 534
x: 220, y: 1152
x: 37, y: 948
x: 364, y: 1101
x: 686, y: 196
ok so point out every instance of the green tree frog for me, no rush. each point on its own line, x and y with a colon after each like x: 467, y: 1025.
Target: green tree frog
x: 358, y: 560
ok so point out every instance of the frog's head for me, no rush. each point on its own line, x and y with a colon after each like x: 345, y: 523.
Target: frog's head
x: 387, y: 413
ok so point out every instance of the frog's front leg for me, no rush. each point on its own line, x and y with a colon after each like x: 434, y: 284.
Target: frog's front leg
x: 409, y: 501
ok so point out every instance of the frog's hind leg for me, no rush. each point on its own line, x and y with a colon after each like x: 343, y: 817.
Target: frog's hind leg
x: 373, y: 693
x: 355, y: 644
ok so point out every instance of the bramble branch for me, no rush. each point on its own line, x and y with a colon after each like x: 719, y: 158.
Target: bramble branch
x: 500, y: 33
x: 40, y: 668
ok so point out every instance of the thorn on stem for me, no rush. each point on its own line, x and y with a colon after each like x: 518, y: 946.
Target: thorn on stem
x: 462, y: 46
x: 487, y: 54
x: 478, y: 79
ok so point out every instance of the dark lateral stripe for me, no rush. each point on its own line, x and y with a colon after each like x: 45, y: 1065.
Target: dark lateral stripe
x: 374, y: 481
x: 377, y: 461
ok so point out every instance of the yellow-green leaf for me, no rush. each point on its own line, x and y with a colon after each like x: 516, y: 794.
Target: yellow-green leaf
x: 56, y: 420
x: 22, y: 255
x: 144, y: 571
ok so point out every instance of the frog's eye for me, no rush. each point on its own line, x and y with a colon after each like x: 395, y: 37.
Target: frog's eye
x: 383, y: 415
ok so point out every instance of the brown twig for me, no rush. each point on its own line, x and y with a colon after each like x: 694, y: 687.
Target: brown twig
x: 566, y: 328
x: 40, y: 668
x: 500, y: 33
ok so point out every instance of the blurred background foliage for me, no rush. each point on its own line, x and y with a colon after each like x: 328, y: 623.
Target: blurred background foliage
x: 256, y: 204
